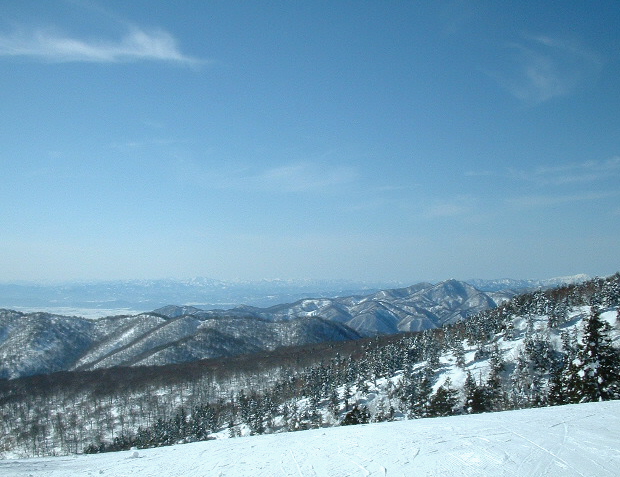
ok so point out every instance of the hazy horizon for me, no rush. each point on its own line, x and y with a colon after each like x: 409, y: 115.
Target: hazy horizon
x: 297, y: 281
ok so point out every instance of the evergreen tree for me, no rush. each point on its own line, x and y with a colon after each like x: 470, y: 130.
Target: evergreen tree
x: 556, y: 395
x: 334, y: 403
x: 611, y: 291
x: 433, y: 351
x: 459, y: 353
x: 494, y: 399
x: 421, y: 402
x: 233, y: 431
x: 521, y: 382
x: 202, y: 421
x: 356, y: 415
x: 443, y: 402
x: 593, y: 374
x: 346, y: 396
x: 494, y: 396
x: 469, y: 388
x: 474, y: 395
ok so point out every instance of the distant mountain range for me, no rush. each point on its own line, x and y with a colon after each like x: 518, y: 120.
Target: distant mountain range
x: 39, y: 343
x: 415, y: 308
x: 101, y: 298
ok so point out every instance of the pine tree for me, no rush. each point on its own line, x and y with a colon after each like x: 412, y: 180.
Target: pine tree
x: 611, y: 291
x: 334, y: 403
x: 522, y: 381
x: 346, y: 395
x: 458, y: 350
x: 469, y: 389
x: 474, y: 395
x: 356, y: 415
x: 201, y: 422
x: 557, y: 314
x: 443, y: 402
x: 494, y: 397
x: 420, y: 401
x: 556, y: 395
x: 593, y: 374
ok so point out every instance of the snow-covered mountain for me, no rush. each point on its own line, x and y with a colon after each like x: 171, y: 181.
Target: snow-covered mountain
x: 415, y: 308
x: 187, y: 338
x: 565, y: 441
x: 41, y: 343
x: 102, y: 298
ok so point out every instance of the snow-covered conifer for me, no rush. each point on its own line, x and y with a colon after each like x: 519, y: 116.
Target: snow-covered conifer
x: 443, y: 402
x: 593, y: 374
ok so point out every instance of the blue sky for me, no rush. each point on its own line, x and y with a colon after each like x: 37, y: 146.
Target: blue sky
x: 360, y: 140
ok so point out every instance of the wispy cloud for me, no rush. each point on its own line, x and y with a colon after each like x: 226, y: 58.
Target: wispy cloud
x: 301, y: 177
x: 542, y: 67
x: 462, y: 206
x: 136, y: 45
x: 456, y: 15
x: 294, y: 177
x: 573, y: 173
x: 562, y: 199
x: 446, y: 210
x: 486, y: 173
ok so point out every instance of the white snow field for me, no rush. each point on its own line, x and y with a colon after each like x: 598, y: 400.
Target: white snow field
x: 573, y: 440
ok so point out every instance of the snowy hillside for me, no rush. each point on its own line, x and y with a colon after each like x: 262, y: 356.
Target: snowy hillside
x: 41, y: 343
x: 574, y: 440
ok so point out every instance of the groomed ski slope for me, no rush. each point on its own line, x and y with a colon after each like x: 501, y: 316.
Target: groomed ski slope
x: 574, y: 440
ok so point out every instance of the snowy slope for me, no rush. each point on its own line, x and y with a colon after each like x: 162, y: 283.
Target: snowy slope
x: 575, y: 440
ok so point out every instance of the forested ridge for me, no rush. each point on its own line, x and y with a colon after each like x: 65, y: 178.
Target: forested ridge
x: 542, y: 348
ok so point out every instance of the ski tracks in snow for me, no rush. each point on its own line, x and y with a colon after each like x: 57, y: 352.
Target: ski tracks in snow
x: 536, y: 456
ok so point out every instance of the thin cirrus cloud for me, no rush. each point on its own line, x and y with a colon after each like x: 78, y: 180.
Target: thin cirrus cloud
x: 54, y: 47
x: 292, y: 177
x: 572, y: 173
x: 558, y: 175
x: 463, y: 206
x: 541, y: 68
x: 446, y: 210
x: 532, y: 201
x: 301, y: 177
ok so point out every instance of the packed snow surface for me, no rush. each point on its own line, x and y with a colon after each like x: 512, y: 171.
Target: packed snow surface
x: 574, y: 440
